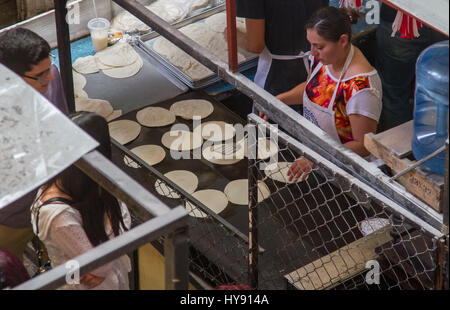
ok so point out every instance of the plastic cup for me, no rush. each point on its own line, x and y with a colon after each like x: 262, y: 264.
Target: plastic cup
x: 99, y: 32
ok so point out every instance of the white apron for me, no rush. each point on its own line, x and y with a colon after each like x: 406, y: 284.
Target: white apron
x: 265, y: 62
x: 318, y: 115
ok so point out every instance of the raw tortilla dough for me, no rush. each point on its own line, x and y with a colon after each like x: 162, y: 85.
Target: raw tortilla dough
x: 120, y: 54
x: 211, y: 198
x: 124, y: 131
x: 214, y: 154
x: 237, y: 191
x: 278, y: 172
x: 155, y: 117
x: 266, y: 148
x: 218, y: 23
x: 170, y: 11
x: 173, y: 54
x: 99, y: 106
x: 125, y: 21
x: 187, y: 180
x: 200, y: 33
x: 126, y: 71
x: 86, y: 65
x: 187, y: 109
x: 197, y: 71
x: 151, y: 154
x: 217, y: 131
x: 181, y: 140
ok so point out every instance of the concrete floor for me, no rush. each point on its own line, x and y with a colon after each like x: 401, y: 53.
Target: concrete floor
x: 8, y: 13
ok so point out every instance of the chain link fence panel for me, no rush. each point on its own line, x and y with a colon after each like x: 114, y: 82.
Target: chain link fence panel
x: 328, y: 231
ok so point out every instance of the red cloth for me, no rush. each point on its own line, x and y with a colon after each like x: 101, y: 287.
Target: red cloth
x: 13, y: 269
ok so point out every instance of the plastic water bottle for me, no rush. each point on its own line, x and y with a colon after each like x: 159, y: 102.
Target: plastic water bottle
x: 431, y: 105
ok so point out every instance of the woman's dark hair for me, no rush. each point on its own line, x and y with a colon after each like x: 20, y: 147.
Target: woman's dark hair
x: 330, y: 22
x: 88, y: 197
x: 21, y: 48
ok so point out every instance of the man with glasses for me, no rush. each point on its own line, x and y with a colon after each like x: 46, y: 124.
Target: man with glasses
x: 28, y: 55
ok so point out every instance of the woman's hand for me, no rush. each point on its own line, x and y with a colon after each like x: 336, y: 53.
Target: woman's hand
x: 263, y: 116
x: 300, y: 169
x: 91, y: 281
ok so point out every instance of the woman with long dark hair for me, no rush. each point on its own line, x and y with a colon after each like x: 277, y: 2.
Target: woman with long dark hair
x: 72, y: 214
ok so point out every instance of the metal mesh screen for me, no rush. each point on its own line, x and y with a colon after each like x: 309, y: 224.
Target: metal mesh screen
x: 217, y: 250
x: 328, y: 232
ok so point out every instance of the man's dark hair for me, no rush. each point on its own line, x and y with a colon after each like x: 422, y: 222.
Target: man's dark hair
x: 21, y: 48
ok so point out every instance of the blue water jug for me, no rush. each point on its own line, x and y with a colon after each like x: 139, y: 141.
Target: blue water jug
x: 431, y: 105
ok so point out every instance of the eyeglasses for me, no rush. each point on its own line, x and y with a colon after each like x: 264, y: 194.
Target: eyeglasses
x: 41, y: 77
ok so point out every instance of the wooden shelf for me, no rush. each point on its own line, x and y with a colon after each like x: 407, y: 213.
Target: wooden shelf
x: 393, y: 146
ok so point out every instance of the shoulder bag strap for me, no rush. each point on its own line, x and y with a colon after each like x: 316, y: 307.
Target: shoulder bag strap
x: 49, y: 201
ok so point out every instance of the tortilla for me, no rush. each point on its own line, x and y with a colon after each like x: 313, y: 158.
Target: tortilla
x: 124, y: 131
x: 86, y: 65
x: 187, y: 180
x: 237, y: 191
x: 169, y: 11
x: 211, y: 198
x: 217, y: 131
x: 187, y: 109
x: 125, y: 21
x: 155, y: 117
x: 126, y: 71
x: 99, y: 106
x: 181, y: 140
x: 214, y: 154
x: 151, y: 154
x: 120, y: 54
x: 218, y: 23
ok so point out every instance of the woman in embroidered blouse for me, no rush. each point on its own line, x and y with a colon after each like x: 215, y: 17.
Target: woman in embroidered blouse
x: 92, y: 217
x: 347, y: 111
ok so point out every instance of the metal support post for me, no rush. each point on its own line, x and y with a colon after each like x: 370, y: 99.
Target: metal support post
x: 65, y: 59
x: 232, y: 36
x: 176, y: 260
x: 253, y: 248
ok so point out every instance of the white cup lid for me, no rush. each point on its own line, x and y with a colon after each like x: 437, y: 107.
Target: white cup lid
x: 98, y: 24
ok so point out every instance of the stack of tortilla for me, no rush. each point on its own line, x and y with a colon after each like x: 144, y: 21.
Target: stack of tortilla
x: 117, y: 61
x: 171, y: 11
x: 205, y: 35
